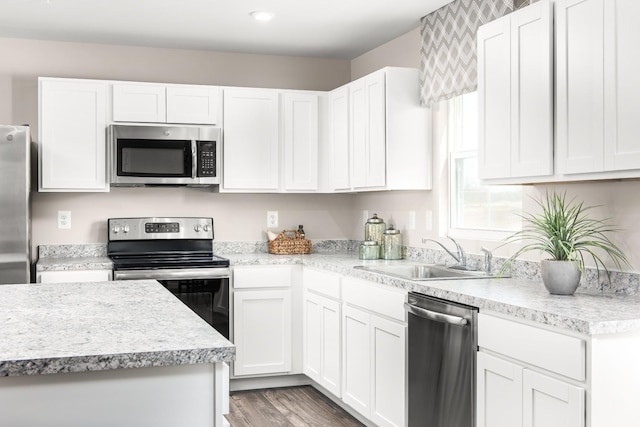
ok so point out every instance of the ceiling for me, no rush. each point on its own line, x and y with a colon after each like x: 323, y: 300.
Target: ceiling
x: 342, y: 29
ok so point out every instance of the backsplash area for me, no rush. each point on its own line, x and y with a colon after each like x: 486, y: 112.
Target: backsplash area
x: 621, y: 283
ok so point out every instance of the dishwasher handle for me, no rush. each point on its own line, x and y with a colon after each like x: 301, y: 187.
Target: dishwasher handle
x: 434, y: 315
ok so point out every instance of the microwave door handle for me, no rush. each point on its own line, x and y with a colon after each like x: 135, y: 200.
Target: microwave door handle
x: 194, y: 159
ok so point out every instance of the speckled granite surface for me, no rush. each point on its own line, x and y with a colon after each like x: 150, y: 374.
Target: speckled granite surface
x: 596, y: 308
x: 585, y: 312
x: 76, y: 327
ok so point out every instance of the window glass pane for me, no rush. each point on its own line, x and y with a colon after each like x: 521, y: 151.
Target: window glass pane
x: 475, y: 206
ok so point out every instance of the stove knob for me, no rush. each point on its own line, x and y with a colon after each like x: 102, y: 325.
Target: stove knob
x: 205, y: 227
x: 197, y: 228
x: 125, y: 230
x: 116, y: 229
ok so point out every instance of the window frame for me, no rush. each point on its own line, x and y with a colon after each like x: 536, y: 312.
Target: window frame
x: 454, y: 131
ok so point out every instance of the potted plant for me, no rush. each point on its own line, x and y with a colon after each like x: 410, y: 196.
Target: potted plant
x: 564, y: 230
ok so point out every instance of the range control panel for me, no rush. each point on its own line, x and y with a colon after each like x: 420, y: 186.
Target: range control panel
x: 150, y: 228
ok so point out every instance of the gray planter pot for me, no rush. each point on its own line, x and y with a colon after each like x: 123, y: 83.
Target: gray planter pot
x: 560, y: 277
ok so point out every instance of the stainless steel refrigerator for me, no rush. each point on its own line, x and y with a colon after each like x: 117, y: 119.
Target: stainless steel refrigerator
x: 15, y: 262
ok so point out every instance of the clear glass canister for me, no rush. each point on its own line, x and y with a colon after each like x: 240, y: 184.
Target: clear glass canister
x: 373, y: 230
x: 369, y: 249
x: 392, y: 243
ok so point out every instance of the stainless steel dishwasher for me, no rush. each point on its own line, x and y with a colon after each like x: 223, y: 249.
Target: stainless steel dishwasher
x: 442, y: 362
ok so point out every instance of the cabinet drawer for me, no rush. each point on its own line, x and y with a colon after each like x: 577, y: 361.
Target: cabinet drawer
x: 549, y: 350
x: 263, y: 276
x: 323, y: 283
x: 378, y: 299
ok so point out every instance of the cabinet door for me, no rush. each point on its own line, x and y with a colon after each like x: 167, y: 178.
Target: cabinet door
x: 532, y: 90
x: 499, y: 392
x: 139, y: 103
x: 193, y: 104
x: 515, y: 87
x: 312, y: 337
x: 494, y: 95
x: 579, y: 85
x: 74, y: 276
x: 375, y: 159
x: 300, y: 123
x: 331, y: 346
x: 358, y: 132
x: 72, y: 146
x: 356, y: 356
x: 368, y: 131
x: 388, y: 398
x: 548, y: 402
x: 262, y: 331
x: 340, y: 151
x: 621, y: 85
x: 251, y: 140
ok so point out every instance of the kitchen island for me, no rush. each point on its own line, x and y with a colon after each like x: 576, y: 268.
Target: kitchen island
x: 106, y: 354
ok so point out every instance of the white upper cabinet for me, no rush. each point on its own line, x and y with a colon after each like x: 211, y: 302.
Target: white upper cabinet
x: 139, y: 103
x: 193, y: 104
x: 598, y: 90
x: 380, y: 137
x: 270, y: 140
x: 300, y: 122
x: 515, y: 88
x: 251, y: 140
x: 72, y: 138
x: 340, y: 158
x: 159, y: 103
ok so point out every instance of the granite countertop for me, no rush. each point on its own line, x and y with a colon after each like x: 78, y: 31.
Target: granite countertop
x: 589, y: 313
x: 76, y: 327
x: 584, y: 313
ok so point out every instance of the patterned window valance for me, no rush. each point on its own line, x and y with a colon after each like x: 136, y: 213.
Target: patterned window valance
x: 448, y: 54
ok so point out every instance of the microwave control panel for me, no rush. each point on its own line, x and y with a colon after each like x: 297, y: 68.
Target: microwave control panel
x: 206, y: 159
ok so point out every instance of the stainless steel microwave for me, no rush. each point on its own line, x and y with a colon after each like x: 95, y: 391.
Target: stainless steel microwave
x: 164, y: 155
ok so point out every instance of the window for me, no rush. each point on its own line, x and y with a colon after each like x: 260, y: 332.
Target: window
x: 475, y: 209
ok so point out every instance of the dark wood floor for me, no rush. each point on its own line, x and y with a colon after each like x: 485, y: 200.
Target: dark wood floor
x: 288, y: 406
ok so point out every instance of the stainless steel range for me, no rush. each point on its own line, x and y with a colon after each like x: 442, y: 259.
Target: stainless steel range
x: 177, y: 252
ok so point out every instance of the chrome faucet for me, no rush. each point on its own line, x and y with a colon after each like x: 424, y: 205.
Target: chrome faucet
x: 488, y: 256
x: 460, y: 256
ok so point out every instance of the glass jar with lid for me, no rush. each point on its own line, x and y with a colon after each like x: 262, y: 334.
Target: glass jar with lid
x: 392, y: 243
x: 369, y: 249
x: 373, y: 230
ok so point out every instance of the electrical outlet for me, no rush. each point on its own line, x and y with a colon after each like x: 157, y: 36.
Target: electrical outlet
x: 64, y: 219
x: 412, y: 220
x: 272, y: 219
x: 428, y: 220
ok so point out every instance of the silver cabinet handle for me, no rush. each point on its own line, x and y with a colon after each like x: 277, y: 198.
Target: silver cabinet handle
x: 438, y: 317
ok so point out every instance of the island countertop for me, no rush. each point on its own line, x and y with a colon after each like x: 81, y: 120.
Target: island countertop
x: 77, y: 327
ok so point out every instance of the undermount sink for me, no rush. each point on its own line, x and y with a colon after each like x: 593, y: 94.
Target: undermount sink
x: 424, y: 272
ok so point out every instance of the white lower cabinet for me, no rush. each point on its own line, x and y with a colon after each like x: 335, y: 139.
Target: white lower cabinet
x: 527, y: 387
x: 321, y: 352
x: 73, y: 276
x: 510, y: 395
x: 374, y: 339
x: 262, y: 319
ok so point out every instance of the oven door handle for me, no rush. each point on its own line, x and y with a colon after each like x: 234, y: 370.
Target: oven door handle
x: 438, y: 317
x: 175, y: 274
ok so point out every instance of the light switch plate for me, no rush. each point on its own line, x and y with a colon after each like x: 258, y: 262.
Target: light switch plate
x: 64, y: 219
x: 412, y: 220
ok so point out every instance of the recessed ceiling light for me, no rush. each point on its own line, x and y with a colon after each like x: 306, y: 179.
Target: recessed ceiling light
x: 261, y: 15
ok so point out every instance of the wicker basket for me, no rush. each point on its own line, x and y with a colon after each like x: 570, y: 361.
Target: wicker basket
x: 289, y: 242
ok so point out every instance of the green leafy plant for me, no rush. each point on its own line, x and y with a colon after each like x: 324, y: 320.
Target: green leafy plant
x: 564, y: 230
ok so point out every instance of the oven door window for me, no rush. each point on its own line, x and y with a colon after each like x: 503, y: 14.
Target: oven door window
x: 154, y: 158
x: 208, y: 298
